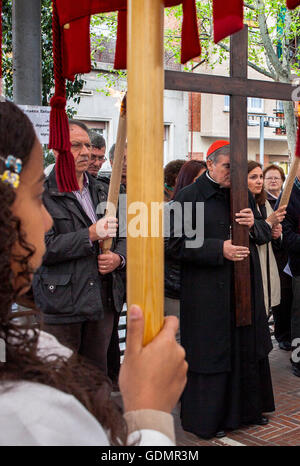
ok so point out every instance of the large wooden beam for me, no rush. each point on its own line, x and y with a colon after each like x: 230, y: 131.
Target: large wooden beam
x: 145, y: 272
x: 209, y: 84
x: 238, y: 171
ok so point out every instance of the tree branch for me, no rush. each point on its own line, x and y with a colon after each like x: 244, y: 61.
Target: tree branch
x: 252, y: 65
x: 279, y: 70
x: 261, y: 70
x: 251, y: 7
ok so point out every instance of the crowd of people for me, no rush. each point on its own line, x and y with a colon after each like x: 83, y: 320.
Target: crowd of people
x: 63, y: 360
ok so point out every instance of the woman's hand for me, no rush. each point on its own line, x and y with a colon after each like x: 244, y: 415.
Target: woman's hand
x: 276, y: 231
x: 277, y: 216
x: 152, y: 376
x: 245, y: 217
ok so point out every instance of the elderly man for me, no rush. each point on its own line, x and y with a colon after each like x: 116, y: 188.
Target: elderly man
x: 75, y: 284
x: 97, y: 153
x: 229, y: 380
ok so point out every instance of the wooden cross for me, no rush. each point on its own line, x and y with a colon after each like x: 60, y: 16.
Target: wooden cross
x: 145, y: 149
x: 239, y: 87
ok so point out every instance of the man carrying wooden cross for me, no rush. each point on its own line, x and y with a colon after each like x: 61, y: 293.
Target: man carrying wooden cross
x: 229, y: 381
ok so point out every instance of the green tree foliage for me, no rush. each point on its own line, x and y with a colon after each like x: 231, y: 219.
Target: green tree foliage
x: 103, y: 37
x: 73, y: 88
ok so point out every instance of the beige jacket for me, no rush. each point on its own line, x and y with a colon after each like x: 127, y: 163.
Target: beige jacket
x: 274, y: 275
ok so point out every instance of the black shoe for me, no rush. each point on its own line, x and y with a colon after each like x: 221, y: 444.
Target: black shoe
x: 220, y: 434
x: 262, y: 421
x: 285, y: 345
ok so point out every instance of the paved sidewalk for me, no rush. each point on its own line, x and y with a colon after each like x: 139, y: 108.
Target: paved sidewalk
x: 284, y: 426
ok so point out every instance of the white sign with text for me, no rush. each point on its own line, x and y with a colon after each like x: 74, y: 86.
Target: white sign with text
x: 40, y: 118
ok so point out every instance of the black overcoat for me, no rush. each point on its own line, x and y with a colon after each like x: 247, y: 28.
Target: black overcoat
x: 207, y: 308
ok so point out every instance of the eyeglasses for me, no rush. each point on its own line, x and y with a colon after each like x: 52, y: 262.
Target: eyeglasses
x: 100, y: 158
x: 76, y: 146
x: 273, y: 178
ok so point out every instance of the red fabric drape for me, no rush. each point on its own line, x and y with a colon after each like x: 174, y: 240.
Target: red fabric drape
x: 228, y: 18
x: 70, y: 10
x: 291, y: 4
x: 59, y: 127
x: 76, y: 48
x: 72, y: 14
x: 71, y: 47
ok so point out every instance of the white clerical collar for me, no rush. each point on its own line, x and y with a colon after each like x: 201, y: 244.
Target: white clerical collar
x: 211, y: 179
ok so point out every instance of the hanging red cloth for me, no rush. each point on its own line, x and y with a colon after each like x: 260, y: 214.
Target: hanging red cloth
x: 71, y: 46
x: 291, y: 4
x: 73, y: 15
x: 228, y: 18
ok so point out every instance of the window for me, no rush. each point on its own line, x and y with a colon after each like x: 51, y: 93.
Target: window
x: 279, y: 106
x: 226, y: 103
x: 254, y: 105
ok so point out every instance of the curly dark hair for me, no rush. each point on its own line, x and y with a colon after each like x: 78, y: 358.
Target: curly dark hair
x: 261, y: 197
x: 73, y: 376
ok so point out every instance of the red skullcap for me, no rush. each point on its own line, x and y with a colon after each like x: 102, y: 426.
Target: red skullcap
x: 215, y: 146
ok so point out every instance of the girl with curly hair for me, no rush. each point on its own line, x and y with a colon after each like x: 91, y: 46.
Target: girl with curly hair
x: 47, y: 398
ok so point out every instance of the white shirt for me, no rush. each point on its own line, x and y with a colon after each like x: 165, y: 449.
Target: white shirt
x: 36, y: 414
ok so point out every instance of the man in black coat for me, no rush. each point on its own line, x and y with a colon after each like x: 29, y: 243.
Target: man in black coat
x: 78, y: 289
x: 229, y: 380
x: 291, y: 241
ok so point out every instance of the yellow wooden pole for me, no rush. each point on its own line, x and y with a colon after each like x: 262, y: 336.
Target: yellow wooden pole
x: 290, y: 181
x: 145, y: 160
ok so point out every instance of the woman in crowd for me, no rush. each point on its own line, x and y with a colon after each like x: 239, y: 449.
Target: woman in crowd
x: 274, y: 178
x: 50, y: 399
x: 189, y: 172
x: 171, y: 171
x: 270, y: 275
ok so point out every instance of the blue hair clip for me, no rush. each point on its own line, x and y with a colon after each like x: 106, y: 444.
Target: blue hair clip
x: 14, y: 168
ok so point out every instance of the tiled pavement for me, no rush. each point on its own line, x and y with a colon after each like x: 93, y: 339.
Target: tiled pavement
x: 284, y: 426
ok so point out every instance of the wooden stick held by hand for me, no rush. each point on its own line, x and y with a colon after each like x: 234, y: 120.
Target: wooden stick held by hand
x: 290, y: 182
x: 116, y: 174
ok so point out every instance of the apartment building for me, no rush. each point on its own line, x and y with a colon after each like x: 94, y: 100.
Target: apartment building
x: 209, y: 120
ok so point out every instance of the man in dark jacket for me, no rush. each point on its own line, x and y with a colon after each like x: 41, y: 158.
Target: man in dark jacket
x: 229, y: 380
x: 291, y: 241
x: 78, y: 289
